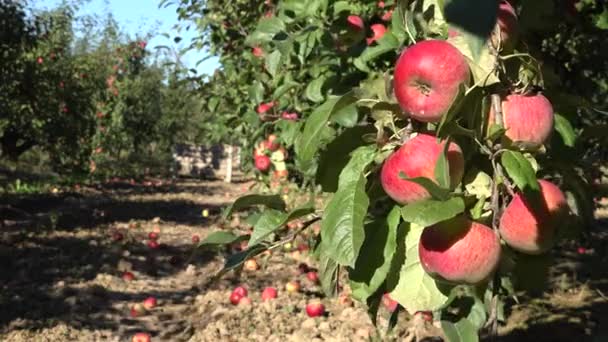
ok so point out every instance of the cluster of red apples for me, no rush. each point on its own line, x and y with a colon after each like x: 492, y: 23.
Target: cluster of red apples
x: 427, y: 81
x: 269, y: 152
x: 239, y: 295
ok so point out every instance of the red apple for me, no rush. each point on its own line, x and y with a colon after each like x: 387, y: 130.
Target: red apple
x: 153, y: 236
x: 257, y: 51
x: 141, y: 337
x: 128, y: 276
x: 149, y: 303
x: 528, y: 119
x: 264, y: 107
x: 378, y: 32
x: 292, y: 286
x: 581, y: 250
x: 153, y: 244
x: 389, y: 303
x: 273, y: 142
x: 417, y: 158
x: 196, y: 239
x: 40, y: 60
x: 269, y: 293
x: 235, y: 298
x: 241, y: 291
x: 290, y: 116
x: 262, y: 163
x: 380, y: 4
x: 315, y: 309
x: 532, y: 230
x: 313, y: 277
x: 356, y: 22
x: 459, y: 251
x: 388, y: 15
x: 428, y: 78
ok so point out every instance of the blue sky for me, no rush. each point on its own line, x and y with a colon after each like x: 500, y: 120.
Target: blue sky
x: 143, y: 16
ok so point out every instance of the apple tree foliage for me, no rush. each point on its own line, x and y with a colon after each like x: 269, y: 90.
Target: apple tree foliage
x: 315, y: 58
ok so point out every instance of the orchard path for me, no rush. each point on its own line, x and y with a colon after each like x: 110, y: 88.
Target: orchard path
x: 60, y: 276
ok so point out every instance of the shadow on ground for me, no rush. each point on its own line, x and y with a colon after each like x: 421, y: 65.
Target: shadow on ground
x: 51, y: 242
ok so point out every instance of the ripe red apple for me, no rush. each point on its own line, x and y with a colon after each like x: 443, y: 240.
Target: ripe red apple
x: 528, y: 119
x: 532, y: 230
x: 290, y: 116
x: 389, y: 303
x: 388, y: 15
x: 153, y: 236
x: 196, y: 239
x: 141, y: 337
x: 380, y: 4
x: 235, y: 298
x: 459, y: 251
x: 417, y: 158
x: 40, y: 60
x: 153, y: 244
x: 293, y: 286
x: 313, y: 277
x: 128, y: 276
x: 264, y: 107
x: 428, y: 78
x: 581, y: 250
x: 315, y: 309
x: 378, y: 32
x: 241, y: 291
x: 269, y: 293
x: 257, y: 51
x: 273, y: 142
x: 355, y: 22
x: 149, y: 303
x: 262, y: 163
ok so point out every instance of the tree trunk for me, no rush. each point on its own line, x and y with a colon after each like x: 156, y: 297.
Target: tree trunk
x: 228, y: 177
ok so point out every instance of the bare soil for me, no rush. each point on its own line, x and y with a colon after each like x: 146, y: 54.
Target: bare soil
x: 61, y: 276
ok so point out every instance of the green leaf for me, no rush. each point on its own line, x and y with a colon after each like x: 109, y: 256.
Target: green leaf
x: 475, y: 18
x: 375, y: 256
x: 565, y: 130
x: 256, y: 92
x: 271, y: 201
x: 435, y: 190
x: 273, y: 62
x: 337, y: 154
x: 310, y: 140
x: 428, y: 212
x: 328, y: 274
x: 342, y: 228
x: 313, y: 90
x: 239, y: 258
x: 415, y: 289
x: 482, y: 64
x: 520, y: 170
x: 265, y: 31
x: 220, y: 238
x: 271, y: 220
x: 442, y: 168
x: 347, y: 116
x: 462, y: 331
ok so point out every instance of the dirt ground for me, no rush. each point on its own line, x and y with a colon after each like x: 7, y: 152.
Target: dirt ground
x: 61, y: 275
